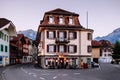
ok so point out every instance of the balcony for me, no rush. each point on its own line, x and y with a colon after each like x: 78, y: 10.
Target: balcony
x: 62, y: 40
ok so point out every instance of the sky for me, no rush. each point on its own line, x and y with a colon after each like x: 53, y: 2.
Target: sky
x: 103, y: 15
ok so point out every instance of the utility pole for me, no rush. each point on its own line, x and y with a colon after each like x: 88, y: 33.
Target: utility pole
x: 87, y: 19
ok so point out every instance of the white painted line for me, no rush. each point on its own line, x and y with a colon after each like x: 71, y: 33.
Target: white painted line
x: 64, y: 74
x: 76, y: 73
x: 46, y: 74
x: 42, y: 78
x: 54, y: 77
x: 34, y: 75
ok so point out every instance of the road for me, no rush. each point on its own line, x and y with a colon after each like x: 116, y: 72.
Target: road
x: 28, y: 72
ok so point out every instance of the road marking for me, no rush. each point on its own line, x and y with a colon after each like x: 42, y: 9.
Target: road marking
x: 34, y: 75
x: 76, y: 73
x: 42, y: 78
x: 46, y: 74
x: 64, y: 74
x: 54, y: 77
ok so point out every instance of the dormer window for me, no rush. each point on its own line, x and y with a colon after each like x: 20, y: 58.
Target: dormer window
x: 71, y: 21
x: 51, y: 19
x: 61, y: 20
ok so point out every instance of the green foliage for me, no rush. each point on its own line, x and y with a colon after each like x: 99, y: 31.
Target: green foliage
x: 116, y: 50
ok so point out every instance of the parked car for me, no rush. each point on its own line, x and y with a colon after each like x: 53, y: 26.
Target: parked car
x: 94, y: 64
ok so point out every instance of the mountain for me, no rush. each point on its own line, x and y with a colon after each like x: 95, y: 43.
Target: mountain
x: 29, y: 33
x: 112, y: 37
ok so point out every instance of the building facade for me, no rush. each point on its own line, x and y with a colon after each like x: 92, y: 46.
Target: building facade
x: 62, y: 41
x: 96, y: 50
x: 7, y: 29
x: 105, y: 51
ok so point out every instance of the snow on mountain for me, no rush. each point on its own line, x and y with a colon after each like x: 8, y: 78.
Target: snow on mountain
x: 29, y: 33
x: 112, y: 37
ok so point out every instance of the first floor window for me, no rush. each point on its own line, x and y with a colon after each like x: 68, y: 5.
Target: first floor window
x: 61, y: 48
x: 72, y: 48
x: 6, y: 49
x: 50, y: 48
x: 1, y: 48
x: 89, y: 49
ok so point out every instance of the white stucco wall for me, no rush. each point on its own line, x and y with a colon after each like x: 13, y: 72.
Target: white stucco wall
x: 84, y: 42
x: 5, y: 54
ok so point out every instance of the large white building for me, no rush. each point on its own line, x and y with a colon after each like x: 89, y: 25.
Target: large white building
x: 7, y: 29
x: 63, y: 41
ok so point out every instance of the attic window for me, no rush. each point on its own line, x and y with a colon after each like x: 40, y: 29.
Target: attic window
x: 51, y: 19
x: 71, y: 21
x: 61, y: 20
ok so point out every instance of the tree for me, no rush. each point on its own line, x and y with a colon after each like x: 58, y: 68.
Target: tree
x: 116, y: 52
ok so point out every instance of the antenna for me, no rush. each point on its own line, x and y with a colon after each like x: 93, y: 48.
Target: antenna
x: 87, y: 19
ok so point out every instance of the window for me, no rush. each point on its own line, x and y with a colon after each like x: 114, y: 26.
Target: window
x: 6, y: 49
x: 62, y: 48
x: 72, y: 48
x: 62, y: 35
x: 71, y: 20
x: 51, y: 48
x: 89, y: 49
x: 61, y: 20
x: 51, y: 19
x: 1, y: 48
x: 72, y: 35
x: 5, y: 37
x: 0, y: 59
x: 89, y: 36
x: 50, y: 34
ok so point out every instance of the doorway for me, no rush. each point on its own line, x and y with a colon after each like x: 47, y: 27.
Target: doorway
x: 61, y: 63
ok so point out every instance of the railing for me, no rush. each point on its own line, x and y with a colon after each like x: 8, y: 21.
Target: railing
x: 62, y: 40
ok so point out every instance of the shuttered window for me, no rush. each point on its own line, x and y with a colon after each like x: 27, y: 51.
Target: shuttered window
x: 50, y: 34
x: 51, y: 48
x: 72, y: 35
x: 72, y: 48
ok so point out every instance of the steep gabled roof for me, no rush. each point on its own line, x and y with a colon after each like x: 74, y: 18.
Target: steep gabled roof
x: 3, y: 22
x: 61, y: 12
x: 96, y: 43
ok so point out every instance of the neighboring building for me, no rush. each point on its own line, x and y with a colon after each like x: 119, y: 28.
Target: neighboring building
x: 63, y: 42
x: 96, y: 50
x: 21, y: 49
x: 13, y: 52
x: 105, y: 51
x: 7, y: 29
x: 18, y: 41
x: 28, y: 51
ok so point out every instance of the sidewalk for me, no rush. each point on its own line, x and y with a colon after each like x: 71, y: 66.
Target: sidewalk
x: 1, y: 70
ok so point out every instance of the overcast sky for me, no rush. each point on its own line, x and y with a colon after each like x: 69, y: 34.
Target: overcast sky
x: 103, y: 15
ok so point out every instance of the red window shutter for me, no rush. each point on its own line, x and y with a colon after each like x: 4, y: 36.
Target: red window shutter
x: 68, y: 48
x: 54, y: 48
x: 75, y: 48
x: 58, y: 34
x: 65, y: 33
x: 65, y: 48
x: 54, y: 34
x: 75, y: 35
x: 47, y: 48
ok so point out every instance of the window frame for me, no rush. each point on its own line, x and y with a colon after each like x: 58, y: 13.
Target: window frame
x: 74, y: 48
x: 49, y: 46
x: 51, y: 19
x: 51, y: 36
x: 74, y: 35
x: 89, y: 48
x: 71, y: 20
x: 61, y: 20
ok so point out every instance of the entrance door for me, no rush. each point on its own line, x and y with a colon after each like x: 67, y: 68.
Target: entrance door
x: 61, y: 63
